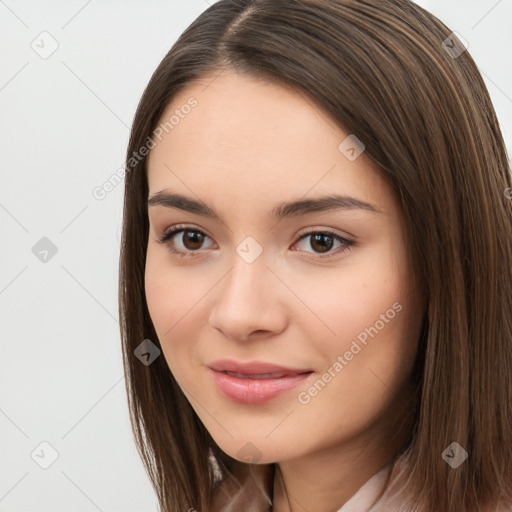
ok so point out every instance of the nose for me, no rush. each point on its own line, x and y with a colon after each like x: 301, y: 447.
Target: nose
x: 249, y: 302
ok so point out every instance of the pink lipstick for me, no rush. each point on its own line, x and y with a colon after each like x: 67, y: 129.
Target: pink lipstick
x: 255, y: 382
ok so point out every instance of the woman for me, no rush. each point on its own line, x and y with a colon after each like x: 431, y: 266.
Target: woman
x: 351, y: 145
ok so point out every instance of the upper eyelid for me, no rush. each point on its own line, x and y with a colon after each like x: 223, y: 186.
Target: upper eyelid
x: 346, y: 243
x: 176, y: 228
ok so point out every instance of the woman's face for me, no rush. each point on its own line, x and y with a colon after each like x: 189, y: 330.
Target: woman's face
x: 251, y: 287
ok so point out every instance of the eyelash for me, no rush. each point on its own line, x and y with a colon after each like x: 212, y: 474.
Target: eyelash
x: 168, y: 234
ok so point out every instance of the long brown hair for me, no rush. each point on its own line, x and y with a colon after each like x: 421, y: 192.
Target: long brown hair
x: 395, y: 76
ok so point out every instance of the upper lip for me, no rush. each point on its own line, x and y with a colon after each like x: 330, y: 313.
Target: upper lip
x: 254, y: 368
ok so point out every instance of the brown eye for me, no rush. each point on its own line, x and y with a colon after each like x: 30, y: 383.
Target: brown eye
x: 322, y: 242
x: 194, y: 241
x: 191, y: 240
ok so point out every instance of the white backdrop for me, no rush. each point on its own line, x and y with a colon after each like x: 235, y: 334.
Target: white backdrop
x: 71, y: 76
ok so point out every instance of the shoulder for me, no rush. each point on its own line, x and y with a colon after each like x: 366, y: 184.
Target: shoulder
x: 398, y: 505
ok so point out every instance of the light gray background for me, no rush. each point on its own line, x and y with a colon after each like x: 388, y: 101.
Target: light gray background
x: 64, y: 131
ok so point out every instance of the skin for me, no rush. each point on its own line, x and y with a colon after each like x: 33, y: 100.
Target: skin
x: 246, y: 147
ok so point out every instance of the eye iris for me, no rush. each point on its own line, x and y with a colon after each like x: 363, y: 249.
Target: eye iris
x: 196, y: 238
x: 321, y: 238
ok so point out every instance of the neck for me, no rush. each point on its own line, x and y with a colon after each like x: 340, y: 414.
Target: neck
x: 326, y: 479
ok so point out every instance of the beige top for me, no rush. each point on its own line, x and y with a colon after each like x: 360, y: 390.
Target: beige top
x: 254, y: 499
x: 370, y: 497
x: 365, y: 499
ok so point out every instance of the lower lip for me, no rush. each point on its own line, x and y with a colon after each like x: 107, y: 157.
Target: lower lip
x: 256, y: 391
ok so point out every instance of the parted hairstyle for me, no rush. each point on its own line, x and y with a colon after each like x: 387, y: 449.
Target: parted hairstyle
x: 394, y: 75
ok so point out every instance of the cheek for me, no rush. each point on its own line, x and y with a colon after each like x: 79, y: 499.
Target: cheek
x: 160, y: 287
x: 363, y: 372
x: 370, y: 319
x: 165, y: 296
x: 345, y: 300
x: 176, y: 307
x: 170, y: 292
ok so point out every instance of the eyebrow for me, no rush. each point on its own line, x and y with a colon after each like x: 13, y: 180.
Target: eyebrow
x: 288, y: 209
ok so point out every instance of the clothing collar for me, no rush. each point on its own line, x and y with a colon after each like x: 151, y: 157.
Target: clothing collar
x: 368, y: 495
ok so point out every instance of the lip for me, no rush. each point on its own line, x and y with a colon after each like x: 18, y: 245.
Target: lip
x: 254, y: 367
x: 255, y: 390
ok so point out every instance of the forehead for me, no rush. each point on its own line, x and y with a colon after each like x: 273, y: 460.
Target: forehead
x: 256, y: 139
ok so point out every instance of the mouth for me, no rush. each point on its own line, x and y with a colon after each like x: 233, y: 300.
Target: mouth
x: 256, y: 388
x: 255, y: 369
x: 262, y: 376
